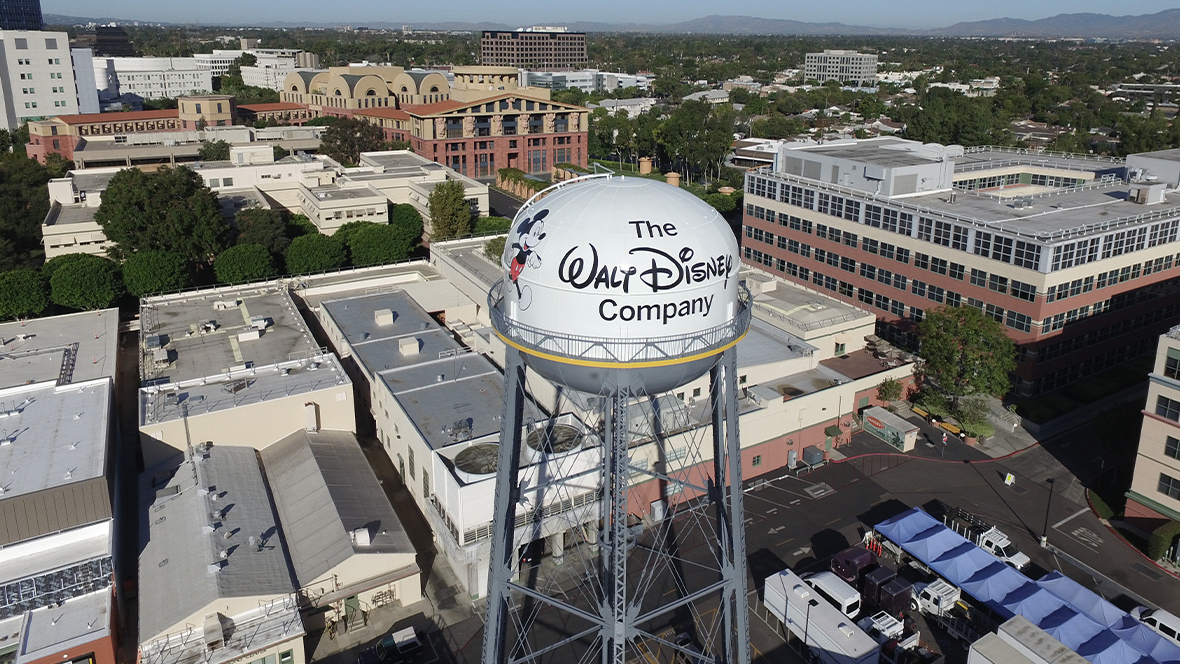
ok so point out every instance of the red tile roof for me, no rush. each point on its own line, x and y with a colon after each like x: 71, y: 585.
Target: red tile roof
x: 439, y: 107
x: 274, y: 106
x: 391, y: 113
x: 130, y: 116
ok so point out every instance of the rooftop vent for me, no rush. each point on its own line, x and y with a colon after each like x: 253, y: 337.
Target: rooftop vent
x: 561, y: 438
x: 362, y: 536
x: 408, y: 347
x: 384, y: 317
x: 222, y: 305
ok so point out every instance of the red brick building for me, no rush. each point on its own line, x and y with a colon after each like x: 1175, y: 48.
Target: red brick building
x: 283, y: 112
x: 477, y: 138
x: 63, y: 133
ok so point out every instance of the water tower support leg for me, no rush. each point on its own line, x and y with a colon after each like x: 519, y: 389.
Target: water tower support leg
x: 614, y: 549
x: 728, y: 499
x: 495, y: 648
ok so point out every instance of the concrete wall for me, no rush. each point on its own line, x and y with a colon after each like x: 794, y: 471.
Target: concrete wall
x: 255, y: 425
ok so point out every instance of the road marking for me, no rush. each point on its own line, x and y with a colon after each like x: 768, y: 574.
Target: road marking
x: 1087, y: 536
x: 836, y: 520
x: 796, y: 501
x: 801, y: 551
x: 775, y: 531
x: 1071, y: 517
x: 772, y: 510
x: 786, y: 541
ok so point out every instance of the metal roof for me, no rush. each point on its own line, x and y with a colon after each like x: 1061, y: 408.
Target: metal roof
x: 323, y: 490
x: 191, y: 509
x: 73, y: 348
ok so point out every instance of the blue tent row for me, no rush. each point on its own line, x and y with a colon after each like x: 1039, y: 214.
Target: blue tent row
x: 1078, y: 618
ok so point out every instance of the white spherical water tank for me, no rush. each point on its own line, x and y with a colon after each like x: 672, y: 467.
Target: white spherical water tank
x: 615, y: 281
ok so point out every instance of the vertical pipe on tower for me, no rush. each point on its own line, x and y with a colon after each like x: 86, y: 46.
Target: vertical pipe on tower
x: 739, y: 626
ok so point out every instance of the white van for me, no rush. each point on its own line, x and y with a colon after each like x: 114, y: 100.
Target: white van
x: 1161, y: 621
x: 835, y: 590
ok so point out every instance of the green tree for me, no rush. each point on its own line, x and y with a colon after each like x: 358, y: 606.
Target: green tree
x: 721, y: 202
x: 151, y: 271
x: 406, y: 219
x: 216, y: 150
x: 298, y: 225
x: 377, y: 244
x: 89, y: 282
x: 315, y: 253
x: 23, y: 293
x: 280, y: 152
x: 169, y: 210
x: 347, y: 138
x: 57, y: 262
x: 265, y: 227
x: 242, y: 263
x: 24, y: 203
x: 965, y: 353
x: 491, y: 225
x: 494, y: 249
x: 450, y: 215
x: 889, y: 390
x: 346, y: 232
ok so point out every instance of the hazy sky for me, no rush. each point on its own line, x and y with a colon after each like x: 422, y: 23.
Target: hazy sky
x: 891, y: 13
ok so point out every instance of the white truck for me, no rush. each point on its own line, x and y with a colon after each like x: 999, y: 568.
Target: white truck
x: 830, y: 636
x: 981, y: 533
x: 899, y: 645
x: 942, y: 603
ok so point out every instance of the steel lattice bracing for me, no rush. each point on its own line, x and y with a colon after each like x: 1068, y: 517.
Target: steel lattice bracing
x: 633, y: 583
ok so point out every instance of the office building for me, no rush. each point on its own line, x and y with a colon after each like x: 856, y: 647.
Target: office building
x: 1154, y: 497
x: 586, y: 80
x: 846, y: 67
x: 539, y: 47
x: 57, y: 529
x: 106, y: 41
x: 150, y: 78
x: 1078, y: 264
x: 40, y: 77
x: 21, y: 15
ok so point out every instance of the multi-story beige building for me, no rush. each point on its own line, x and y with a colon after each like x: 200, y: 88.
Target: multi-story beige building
x: 539, y: 47
x: 203, y: 111
x: 1154, y: 497
x: 847, y: 67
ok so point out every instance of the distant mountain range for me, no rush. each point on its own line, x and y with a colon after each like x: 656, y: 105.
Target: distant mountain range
x: 1162, y: 25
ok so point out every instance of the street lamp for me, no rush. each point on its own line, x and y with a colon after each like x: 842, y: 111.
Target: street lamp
x: 807, y: 619
x: 1048, y: 504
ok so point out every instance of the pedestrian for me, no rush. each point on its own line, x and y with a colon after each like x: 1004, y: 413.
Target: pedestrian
x: 944, y: 438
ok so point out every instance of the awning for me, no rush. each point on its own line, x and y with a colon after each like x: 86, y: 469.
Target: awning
x: 832, y: 430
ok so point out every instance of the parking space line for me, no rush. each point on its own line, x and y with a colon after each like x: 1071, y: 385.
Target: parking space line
x: 1071, y: 517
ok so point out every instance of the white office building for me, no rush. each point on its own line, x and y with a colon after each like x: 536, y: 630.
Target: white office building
x: 37, y: 70
x: 847, y: 67
x: 151, y: 78
x: 587, y: 80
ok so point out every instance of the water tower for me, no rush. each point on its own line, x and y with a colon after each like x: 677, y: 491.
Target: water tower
x: 618, y: 291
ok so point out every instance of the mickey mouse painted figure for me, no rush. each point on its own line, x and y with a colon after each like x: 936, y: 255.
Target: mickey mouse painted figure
x: 529, y: 234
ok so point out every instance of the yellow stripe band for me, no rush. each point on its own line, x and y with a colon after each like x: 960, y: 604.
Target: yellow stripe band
x: 615, y: 365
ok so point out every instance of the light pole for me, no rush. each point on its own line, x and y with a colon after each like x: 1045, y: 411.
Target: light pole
x: 807, y: 620
x: 1048, y: 504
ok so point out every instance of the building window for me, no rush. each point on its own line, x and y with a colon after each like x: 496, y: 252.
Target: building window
x: 1172, y: 363
x: 410, y: 452
x: 425, y: 484
x: 1172, y: 447
x: 840, y: 348
x: 1165, y: 407
x: 1169, y: 486
x: 286, y: 657
x: 756, y: 461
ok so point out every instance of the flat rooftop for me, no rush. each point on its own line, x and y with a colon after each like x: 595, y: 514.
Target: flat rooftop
x: 73, y: 348
x: 208, y: 366
x: 89, y: 180
x: 884, y: 152
x: 181, y: 568
x: 436, y: 380
x: 342, y: 194
x: 201, y: 352
x: 764, y: 343
x: 399, y: 159
x: 53, y: 436
x: 56, y: 629
x: 797, y: 308
x: 64, y: 215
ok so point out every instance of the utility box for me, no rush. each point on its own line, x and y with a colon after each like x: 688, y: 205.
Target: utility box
x: 896, y: 431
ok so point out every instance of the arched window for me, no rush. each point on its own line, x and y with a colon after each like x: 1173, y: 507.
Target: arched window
x: 338, y: 92
x: 405, y: 89
x: 294, y: 88
x: 434, y: 88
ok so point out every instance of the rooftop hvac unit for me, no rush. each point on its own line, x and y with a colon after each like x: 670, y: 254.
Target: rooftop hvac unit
x: 383, y: 317
x: 250, y: 335
x: 407, y: 347
x: 362, y: 537
x: 311, y: 417
x: 222, y: 305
